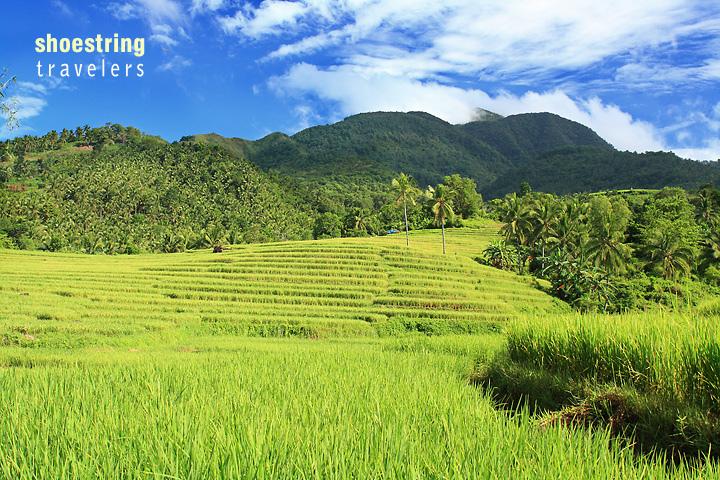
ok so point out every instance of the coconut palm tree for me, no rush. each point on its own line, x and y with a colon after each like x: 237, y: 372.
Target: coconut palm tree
x: 405, y: 192
x: 545, y: 220
x: 359, y: 221
x: 516, y: 216
x: 705, y: 206
x: 606, y: 249
x: 215, y: 237
x: 607, y: 223
x: 669, y: 256
x: 442, y: 207
x: 711, y: 246
x: 568, y: 236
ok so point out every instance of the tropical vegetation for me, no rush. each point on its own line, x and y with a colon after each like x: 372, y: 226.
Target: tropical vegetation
x: 614, y: 251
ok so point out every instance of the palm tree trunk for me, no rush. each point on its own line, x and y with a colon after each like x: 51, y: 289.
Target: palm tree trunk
x: 407, y: 227
x: 443, y: 235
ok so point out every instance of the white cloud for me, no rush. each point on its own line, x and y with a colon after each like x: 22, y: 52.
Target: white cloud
x: 62, y: 7
x: 175, y: 64
x: 268, y: 18
x: 683, y: 136
x: 32, y: 87
x: 306, y: 117
x: 164, y: 17
x: 709, y: 151
x: 642, y: 75
x: 308, y: 44
x: 26, y: 106
x: 162, y: 10
x: 163, y: 39
x: 200, y: 6
x: 356, y: 92
x: 124, y: 11
x: 154, y: 11
x: 469, y: 36
x: 28, y: 100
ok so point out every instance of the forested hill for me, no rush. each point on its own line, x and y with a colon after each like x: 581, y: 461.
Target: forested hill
x: 588, y: 169
x: 550, y: 152
x: 521, y: 138
x: 115, y: 190
x: 381, y: 144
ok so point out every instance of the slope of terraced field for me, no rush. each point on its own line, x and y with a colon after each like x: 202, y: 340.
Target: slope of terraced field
x: 140, y: 367
x: 313, y: 288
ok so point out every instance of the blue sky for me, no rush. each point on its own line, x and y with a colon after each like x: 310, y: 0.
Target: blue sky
x: 644, y: 74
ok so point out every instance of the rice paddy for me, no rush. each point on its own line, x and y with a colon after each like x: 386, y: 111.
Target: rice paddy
x: 336, y: 287
x: 155, y: 366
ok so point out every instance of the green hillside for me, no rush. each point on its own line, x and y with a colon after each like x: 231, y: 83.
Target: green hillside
x: 114, y: 190
x: 316, y: 288
x: 552, y: 153
x: 587, y: 169
x: 375, y: 145
x: 521, y: 138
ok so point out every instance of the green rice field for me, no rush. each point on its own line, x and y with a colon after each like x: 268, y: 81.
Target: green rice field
x: 341, y: 287
x: 343, y: 358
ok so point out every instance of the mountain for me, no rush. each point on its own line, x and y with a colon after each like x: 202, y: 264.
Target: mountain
x: 381, y: 144
x: 552, y: 153
x: 378, y: 145
x: 589, y: 169
x: 521, y: 138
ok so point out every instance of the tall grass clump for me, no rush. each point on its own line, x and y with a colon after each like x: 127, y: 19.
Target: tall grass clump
x: 677, y: 355
x: 654, y: 377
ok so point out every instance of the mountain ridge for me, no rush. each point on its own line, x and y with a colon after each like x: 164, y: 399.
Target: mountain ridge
x: 418, y: 143
x: 552, y: 153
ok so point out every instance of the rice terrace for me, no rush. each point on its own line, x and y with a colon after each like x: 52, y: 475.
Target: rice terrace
x: 170, y: 365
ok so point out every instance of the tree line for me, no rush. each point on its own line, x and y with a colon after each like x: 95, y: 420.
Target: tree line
x: 612, y: 251
x: 402, y: 204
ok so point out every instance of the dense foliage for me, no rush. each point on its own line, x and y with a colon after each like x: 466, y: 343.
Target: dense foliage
x: 404, y: 207
x: 586, y: 169
x: 521, y: 138
x: 362, y: 153
x: 614, y: 251
x: 115, y: 190
x: 379, y: 145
